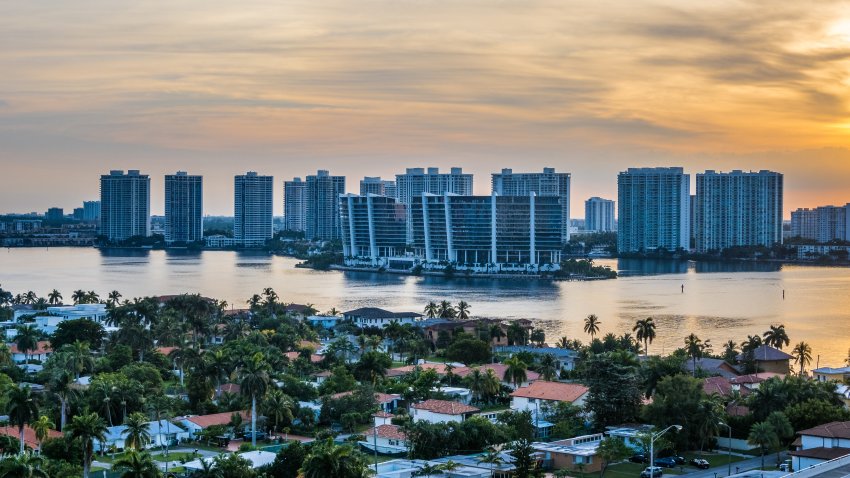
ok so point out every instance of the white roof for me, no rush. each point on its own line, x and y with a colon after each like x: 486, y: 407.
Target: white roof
x: 257, y: 459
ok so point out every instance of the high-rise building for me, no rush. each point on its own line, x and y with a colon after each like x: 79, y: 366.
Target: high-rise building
x: 91, y: 211
x: 822, y: 224
x: 738, y: 209
x: 54, y: 214
x: 295, y: 205
x: 488, y: 233
x: 253, y: 198
x: 125, y: 201
x: 184, y: 200
x: 547, y: 183
x: 377, y: 186
x: 653, y: 209
x: 78, y: 213
x: 599, y: 215
x: 322, y: 195
x: 416, y: 181
x: 373, y: 229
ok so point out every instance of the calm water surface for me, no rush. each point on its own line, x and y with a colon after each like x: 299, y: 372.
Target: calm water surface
x: 720, y: 302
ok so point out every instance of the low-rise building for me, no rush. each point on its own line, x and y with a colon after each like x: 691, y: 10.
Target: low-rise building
x: 41, y: 352
x: 375, y: 317
x: 195, y: 424
x: 770, y: 359
x: 441, y: 411
x: 499, y: 370
x: 572, y: 453
x: 162, y: 433
x: 539, y: 396
x: 30, y: 439
x: 565, y: 359
x: 820, y: 444
x: 388, y: 439
x: 830, y: 374
x: 257, y: 458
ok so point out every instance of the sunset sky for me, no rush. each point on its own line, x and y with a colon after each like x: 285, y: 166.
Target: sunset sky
x: 370, y: 87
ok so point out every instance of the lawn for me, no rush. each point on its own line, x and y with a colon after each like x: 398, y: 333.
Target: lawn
x: 714, y: 459
x: 174, y: 457
x: 632, y: 470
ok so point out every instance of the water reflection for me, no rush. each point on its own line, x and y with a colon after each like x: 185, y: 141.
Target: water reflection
x: 650, y: 267
x: 711, y: 267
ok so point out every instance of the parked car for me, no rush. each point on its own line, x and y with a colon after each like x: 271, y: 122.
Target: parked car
x: 638, y: 458
x: 667, y: 462
x: 652, y: 472
x: 700, y: 463
x: 680, y: 460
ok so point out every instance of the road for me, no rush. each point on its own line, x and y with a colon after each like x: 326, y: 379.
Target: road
x: 738, y: 467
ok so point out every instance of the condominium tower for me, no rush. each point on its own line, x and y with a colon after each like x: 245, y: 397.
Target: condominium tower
x: 416, y: 181
x: 545, y: 184
x: 295, y: 205
x: 822, y: 224
x: 253, y: 197
x: 91, y: 211
x: 373, y: 229
x: 322, y: 196
x: 377, y: 186
x: 738, y: 209
x: 125, y: 202
x: 599, y: 215
x: 653, y: 209
x: 184, y: 197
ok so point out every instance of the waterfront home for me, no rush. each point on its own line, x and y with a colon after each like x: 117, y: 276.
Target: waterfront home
x: 577, y: 453
x: 724, y: 387
x: 830, y: 374
x: 499, y: 370
x: 821, y: 443
x: 770, y: 359
x: 30, y: 439
x: 257, y: 459
x: 48, y: 319
x: 324, y: 321
x: 434, y: 327
x: 195, y: 424
x: 711, y: 366
x: 41, y: 352
x: 565, y: 359
x: 753, y: 380
x: 375, y: 317
x: 387, y: 402
x: 162, y: 433
x: 388, y: 439
x: 441, y: 411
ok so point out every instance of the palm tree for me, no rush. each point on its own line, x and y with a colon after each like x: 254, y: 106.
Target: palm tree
x: 709, y: 413
x: 694, y: 349
x: 563, y: 343
x: 79, y: 357
x: 432, y: 310
x: 330, y: 460
x: 492, y: 458
x: 114, y: 298
x: 79, y: 296
x: 27, y: 339
x: 517, y: 334
x: 463, y: 310
x: 217, y: 365
x: 776, y: 337
x: 42, y: 428
x: 591, y: 325
x: 548, y: 367
x: 254, y: 378
x: 645, y: 331
x: 30, y: 297
x: 802, y: 355
x: 278, y: 406
x: 446, y: 310
x: 87, y: 427
x: 763, y: 435
x: 136, y: 464
x: 136, y: 431
x: 22, y: 466
x: 22, y: 409
x: 54, y: 297
x: 515, y: 373
x: 60, y: 384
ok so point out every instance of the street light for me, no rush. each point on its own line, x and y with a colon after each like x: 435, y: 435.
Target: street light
x: 728, y: 449
x: 652, y: 447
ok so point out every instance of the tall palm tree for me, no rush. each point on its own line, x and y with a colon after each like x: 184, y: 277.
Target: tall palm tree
x: 87, y: 427
x: 79, y: 357
x: 694, y: 349
x: 278, y: 407
x: 114, y: 298
x: 339, y: 461
x: 79, y: 296
x: 22, y: 409
x: 135, y: 464
x: 776, y: 336
x: 463, y: 310
x: 802, y: 355
x: 709, y: 413
x: 27, y: 339
x: 563, y: 342
x: 515, y: 371
x: 491, y: 457
x: 517, y: 334
x: 136, y: 433
x: 447, y: 311
x: 54, y: 297
x: 591, y: 325
x: 763, y: 435
x: 254, y: 381
x: 30, y: 297
x: 645, y: 331
x: 432, y: 310
x: 42, y: 428
x: 218, y: 366
x: 23, y: 466
x: 60, y: 383
x: 548, y: 367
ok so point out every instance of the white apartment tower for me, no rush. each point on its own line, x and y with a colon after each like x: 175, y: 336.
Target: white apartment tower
x: 295, y: 205
x: 125, y: 201
x: 416, y: 181
x: 545, y: 184
x: 738, y: 209
x: 653, y: 209
x: 822, y: 224
x: 599, y: 215
x: 184, y: 195
x: 253, y: 198
x: 323, y: 213
x: 377, y: 186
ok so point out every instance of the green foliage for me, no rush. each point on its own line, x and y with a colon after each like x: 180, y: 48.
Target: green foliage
x: 63, y: 449
x: 469, y: 351
x: 585, y: 268
x: 372, y: 366
x: 146, y: 374
x: 83, y: 330
x: 288, y: 461
x: 361, y: 401
x: 612, y: 449
x: 233, y: 466
x: 567, y: 418
x: 433, y: 440
x: 339, y: 461
x: 655, y: 368
x: 615, y: 393
x: 675, y: 402
x: 814, y: 412
x: 520, y: 425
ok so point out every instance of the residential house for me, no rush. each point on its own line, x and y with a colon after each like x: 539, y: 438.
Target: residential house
x: 441, y: 411
x: 41, y: 352
x: 565, y: 359
x: 752, y: 381
x: 195, y: 424
x: 770, y: 359
x: 30, y: 440
x: 630, y: 434
x: 475, y: 327
x: 540, y: 395
x: 325, y: 321
x: 441, y: 368
x: 258, y: 459
x: 711, y: 366
x: 830, y: 374
x: 388, y: 439
x: 163, y: 433
x: 821, y: 443
x: 499, y: 370
x: 387, y: 402
x: 572, y: 453
x: 466, y: 466
x: 375, y: 317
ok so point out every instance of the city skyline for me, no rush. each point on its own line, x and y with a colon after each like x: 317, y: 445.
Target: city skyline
x: 587, y: 89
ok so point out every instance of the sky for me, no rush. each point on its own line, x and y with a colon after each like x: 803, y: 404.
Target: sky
x: 371, y: 87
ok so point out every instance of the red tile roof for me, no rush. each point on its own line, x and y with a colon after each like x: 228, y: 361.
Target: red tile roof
x: 43, y: 347
x: 440, y: 368
x: 444, y: 407
x: 390, y: 432
x: 233, y: 388
x: 383, y: 414
x: 381, y: 398
x: 205, y: 421
x: 737, y: 410
x: 829, y: 430
x: 555, y: 391
x: 166, y: 350
x: 497, y: 368
x: 313, y: 358
x: 721, y: 386
x: 755, y: 377
x: 29, y: 435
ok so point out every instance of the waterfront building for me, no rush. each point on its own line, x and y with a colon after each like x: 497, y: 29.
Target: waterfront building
x: 91, y: 211
x: 653, y: 209
x: 487, y: 233
x: 322, y: 196
x: 78, y: 213
x: 295, y: 205
x: 252, y: 225
x: 379, y: 318
x: 547, y: 183
x: 54, y: 214
x: 377, y: 186
x: 416, y: 181
x: 184, y: 198
x: 373, y: 229
x: 125, y: 202
x: 598, y: 215
x: 822, y: 224
x: 738, y: 209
